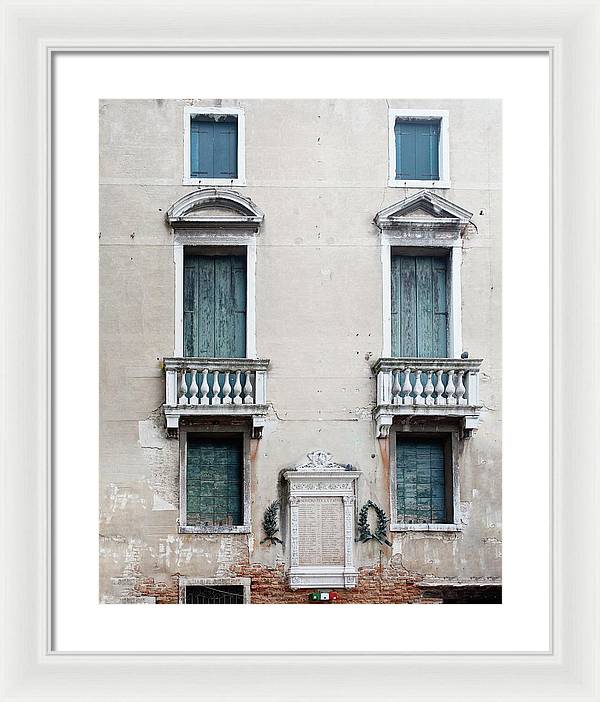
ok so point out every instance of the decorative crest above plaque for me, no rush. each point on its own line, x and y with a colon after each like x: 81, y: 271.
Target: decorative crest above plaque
x: 321, y: 460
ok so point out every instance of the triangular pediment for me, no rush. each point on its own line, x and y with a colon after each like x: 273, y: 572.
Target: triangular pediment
x: 424, y: 206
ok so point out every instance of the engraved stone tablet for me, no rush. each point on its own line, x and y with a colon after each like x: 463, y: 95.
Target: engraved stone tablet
x: 321, y: 531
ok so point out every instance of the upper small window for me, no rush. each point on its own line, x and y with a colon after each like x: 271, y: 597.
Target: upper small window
x: 214, y: 146
x: 419, y: 148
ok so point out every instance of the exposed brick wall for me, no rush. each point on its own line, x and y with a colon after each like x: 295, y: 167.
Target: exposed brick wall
x: 164, y: 592
x: 377, y: 585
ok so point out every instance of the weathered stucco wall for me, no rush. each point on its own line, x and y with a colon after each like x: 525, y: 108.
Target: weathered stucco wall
x: 318, y: 169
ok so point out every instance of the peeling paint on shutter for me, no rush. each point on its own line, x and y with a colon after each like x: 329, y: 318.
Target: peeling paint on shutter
x: 419, y: 307
x: 420, y: 481
x: 214, y: 311
x: 214, y: 481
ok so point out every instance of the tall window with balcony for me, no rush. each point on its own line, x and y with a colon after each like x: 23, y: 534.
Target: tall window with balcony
x: 215, y: 371
x: 427, y: 387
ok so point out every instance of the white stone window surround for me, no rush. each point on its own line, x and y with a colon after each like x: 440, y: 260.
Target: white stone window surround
x: 451, y: 450
x: 395, y: 114
x: 190, y: 111
x: 192, y: 230
x: 182, y: 526
x: 395, y: 233
x: 185, y: 582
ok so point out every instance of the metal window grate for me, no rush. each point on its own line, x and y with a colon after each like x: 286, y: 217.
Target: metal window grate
x: 217, y: 594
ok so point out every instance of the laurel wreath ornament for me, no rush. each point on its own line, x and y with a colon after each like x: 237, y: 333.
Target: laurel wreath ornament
x: 270, y: 525
x: 364, y: 528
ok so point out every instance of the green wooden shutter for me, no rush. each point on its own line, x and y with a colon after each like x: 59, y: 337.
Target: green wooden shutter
x: 420, y: 481
x: 225, y: 149
x: 417, y: 149
x: 419, y: 307
x: 213, y: 147
x: 214, y: 306
x: 202, y: 148
x: 214, y: 485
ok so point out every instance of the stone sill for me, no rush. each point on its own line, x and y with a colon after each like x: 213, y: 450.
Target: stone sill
x: 425, y: 527
x: 214, y: 529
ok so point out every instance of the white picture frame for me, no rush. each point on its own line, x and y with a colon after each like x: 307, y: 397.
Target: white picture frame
x: 33, y: 33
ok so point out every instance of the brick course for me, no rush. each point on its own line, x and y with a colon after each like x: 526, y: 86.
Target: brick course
x: 376, y: 585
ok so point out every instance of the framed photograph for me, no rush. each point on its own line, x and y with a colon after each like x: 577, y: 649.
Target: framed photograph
x: 296, y: 302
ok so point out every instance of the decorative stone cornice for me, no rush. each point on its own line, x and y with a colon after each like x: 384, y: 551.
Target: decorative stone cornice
x: 424, y: 215
x: 215, y: 208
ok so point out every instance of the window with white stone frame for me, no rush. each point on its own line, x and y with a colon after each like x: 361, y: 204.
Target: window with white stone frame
x: 214, y: 145
x: 419, y: 152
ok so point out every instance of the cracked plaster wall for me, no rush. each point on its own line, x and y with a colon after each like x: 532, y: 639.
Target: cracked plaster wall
x: 318, y: 169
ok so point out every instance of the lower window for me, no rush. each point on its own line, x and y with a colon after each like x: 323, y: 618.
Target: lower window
x: 214, y: 481
x: 423, y: 480
x: 214, y: 594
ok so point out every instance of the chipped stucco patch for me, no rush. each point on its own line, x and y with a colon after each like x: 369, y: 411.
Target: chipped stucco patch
x: 161, y: 455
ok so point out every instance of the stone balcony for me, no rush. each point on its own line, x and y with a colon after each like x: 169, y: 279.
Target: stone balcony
x: 427, y: 387
x: 215, y: 387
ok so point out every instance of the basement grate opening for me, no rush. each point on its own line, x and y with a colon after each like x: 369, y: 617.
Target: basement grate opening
x: 218, y: 594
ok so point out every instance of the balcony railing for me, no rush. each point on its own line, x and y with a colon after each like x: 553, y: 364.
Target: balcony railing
x: 198, y: 387
x: 442, y: 387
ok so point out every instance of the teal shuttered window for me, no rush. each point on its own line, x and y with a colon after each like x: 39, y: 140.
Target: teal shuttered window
x: 417, y: 149
x: 419, y: 307
x: 421, y: 481
x: 214, y: 481
x: 214, y: 306
x: 213, y: 147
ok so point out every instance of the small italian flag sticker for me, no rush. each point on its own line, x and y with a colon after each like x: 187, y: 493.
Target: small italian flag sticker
x: 322, y: 596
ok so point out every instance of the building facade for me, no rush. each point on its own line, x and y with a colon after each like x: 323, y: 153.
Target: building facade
x: 300, y: 351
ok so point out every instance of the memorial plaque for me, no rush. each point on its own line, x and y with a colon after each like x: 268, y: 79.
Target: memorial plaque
x: 321, y: 531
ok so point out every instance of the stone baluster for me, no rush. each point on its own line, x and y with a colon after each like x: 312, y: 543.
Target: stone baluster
x: 216, y: 389
x: 407, y: 388
x: 439, y: 389
x: 226, y: 389
x: 204, y: 400
x: 193, y: 387
x: 248, y: 399
x: 396, y: 397
x: 419, y: 399
x: 183, y: 389
x: 460, y: 388
x: 450, y: 388
x: 429, y: 389
x: 237, y: 389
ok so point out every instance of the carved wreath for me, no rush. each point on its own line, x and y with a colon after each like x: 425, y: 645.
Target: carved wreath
x: 364, y: 528
x: 270, y: 525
